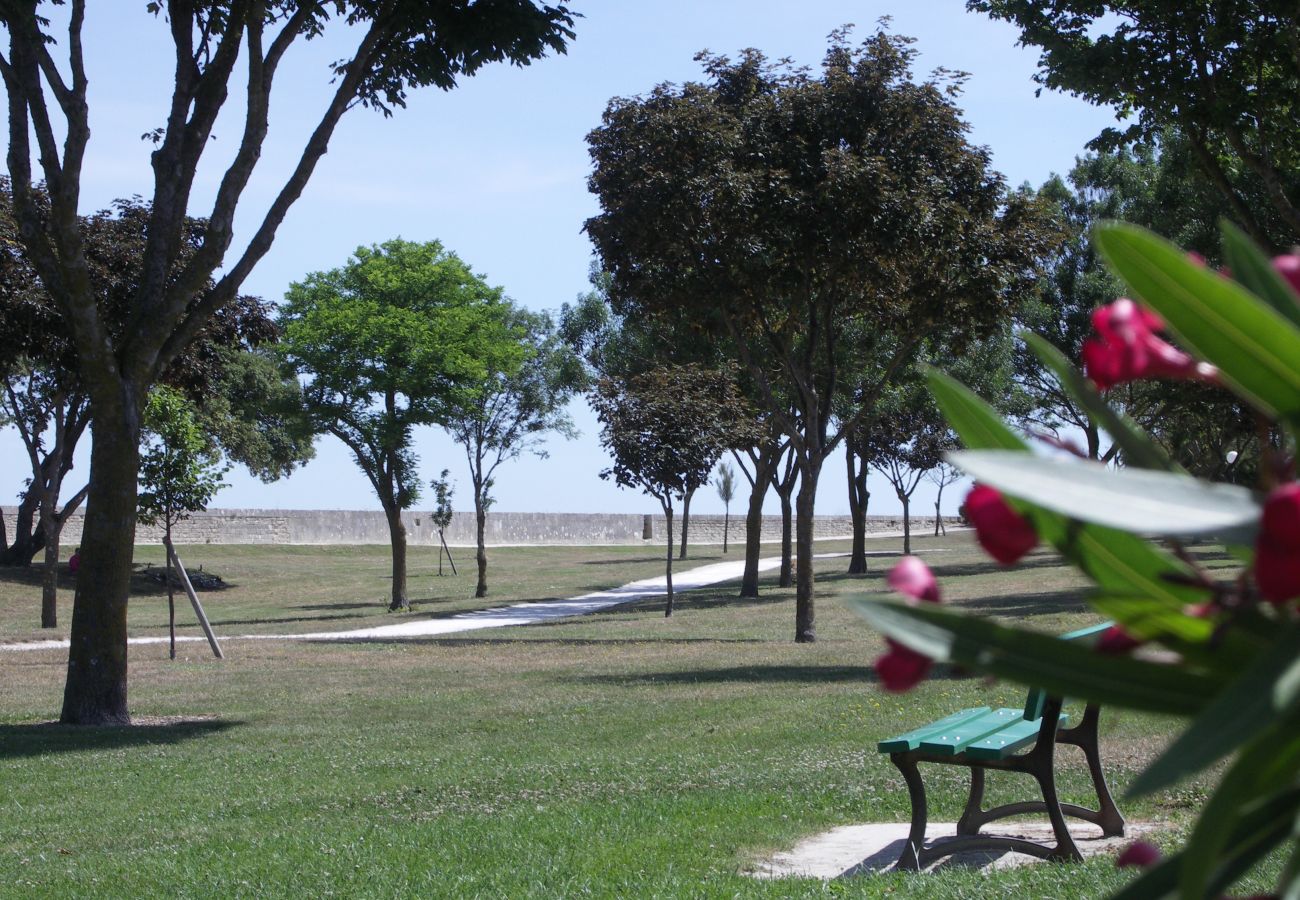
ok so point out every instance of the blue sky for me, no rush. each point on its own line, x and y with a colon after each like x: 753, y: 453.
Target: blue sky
x: 496, y: 170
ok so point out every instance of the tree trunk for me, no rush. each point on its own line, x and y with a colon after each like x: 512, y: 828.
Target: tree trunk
x: 95, y: 691
x: 726, y: 525
x: 29, y: 537
x: 1093, y: 435
x: 907, y: 523
x: 171, y: 593
x: 50, y: 581
x: 480, y: 536
x: 859, y: 496
x: 686, y: 520
x: 397, y: 535
x: 668, y: 559
x: 804, y: 630
x: 754, y: 523
x: 787, y: 545
x: 938, y: 514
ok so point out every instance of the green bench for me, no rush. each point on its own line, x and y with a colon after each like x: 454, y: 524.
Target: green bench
x: 1009, y: 740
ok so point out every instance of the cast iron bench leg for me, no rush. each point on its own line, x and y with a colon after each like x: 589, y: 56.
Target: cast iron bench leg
x: 910, y: 859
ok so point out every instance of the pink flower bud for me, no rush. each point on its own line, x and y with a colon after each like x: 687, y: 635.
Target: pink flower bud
x: 1003, y: 533
x: 902, y: 668
x: 1125, y: 348
x: 1116, y: 640
x: 913, y: 579
x: 1277, y: 549
x: 1288, y: 266
x: 1140, y: 854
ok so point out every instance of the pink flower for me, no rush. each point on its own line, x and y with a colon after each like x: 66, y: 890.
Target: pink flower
x: 1140, y: 854
x: 1116, y: 640
x: 902, y: 668
x: 1288, y: 266
x: 1277, y: 549
x: 1125, y: 348
x: 913, y: 579
x: 1003, y: 533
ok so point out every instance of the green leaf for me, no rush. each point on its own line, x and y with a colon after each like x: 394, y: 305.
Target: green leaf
x: 1242, y: 710
x: 1270, y: 760
x: 1117, y: 561
x: 1194, y: 638
x: 1254, y: 347
x: 976, y: 423
x: 1139, y: 450
x: 1059, y: 667
x: 1135, y: 500
x: 1255, y: 271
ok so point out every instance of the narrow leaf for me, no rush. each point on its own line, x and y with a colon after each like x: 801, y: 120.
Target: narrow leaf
x: 1158, y: 503
x: 1057, y: 666
x: 1139, y: 450
x: 1254, y: 347
x: 1254, y: 270
x: 1239, y: 712
x: 976, y: 423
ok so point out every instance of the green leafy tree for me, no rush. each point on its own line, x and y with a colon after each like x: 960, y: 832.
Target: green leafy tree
x: 799, y: 204
x: 442, y: 514
x: 726, y: 484
x: 665, y: 429
x: 393, y: 48
x: 516, y: 404
x: 403, y: 335
x: 180, y: 471
x: 1225, y: 75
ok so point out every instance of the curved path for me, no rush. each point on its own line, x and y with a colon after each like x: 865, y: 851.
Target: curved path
x: 496, y: 617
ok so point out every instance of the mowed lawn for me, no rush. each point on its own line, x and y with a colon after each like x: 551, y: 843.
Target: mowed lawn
x: 619, y: 754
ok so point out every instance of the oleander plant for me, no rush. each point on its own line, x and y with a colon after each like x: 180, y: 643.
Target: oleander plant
x: 1222, y: 654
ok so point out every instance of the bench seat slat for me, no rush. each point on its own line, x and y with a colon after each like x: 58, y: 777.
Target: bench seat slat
x: 954, y: 739
x: 1006, y: 741
x: 911, y: 739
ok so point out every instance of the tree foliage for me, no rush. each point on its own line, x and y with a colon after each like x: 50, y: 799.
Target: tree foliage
x: 777, y: 207
x: 403, y: 335
x: 180, y: 467
x: 1224, y: 74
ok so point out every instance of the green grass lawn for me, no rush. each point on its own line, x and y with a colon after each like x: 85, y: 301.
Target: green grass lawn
x: 619, y: 754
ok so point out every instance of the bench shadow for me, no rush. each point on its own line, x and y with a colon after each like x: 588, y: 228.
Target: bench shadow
x: 23, y: 741
x: 782, y: 674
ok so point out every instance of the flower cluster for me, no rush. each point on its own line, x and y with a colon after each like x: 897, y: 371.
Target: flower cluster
x: 902, y: 668
x: 1277, y: 549
x: 1125, y: 348
x: 1003, y: 533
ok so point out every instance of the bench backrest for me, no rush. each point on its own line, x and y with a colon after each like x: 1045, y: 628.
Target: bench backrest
x: 1037, y: 698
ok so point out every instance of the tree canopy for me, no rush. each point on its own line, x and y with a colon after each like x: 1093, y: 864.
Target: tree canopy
x: 1224, y: 74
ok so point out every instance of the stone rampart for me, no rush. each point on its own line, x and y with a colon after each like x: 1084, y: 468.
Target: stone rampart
x: 298, y: 526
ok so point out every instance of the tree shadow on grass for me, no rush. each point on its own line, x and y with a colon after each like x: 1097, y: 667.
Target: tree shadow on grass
x: 619, y: 562
x: 22, y: 741
x: 783, y: 674
x: 218, y: 621
x: 471, y: 643
x: 991, y: 567
x: 1046, y: 603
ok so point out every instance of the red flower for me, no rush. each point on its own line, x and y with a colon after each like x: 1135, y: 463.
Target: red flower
x: 1125, y: 348
x: 1288, y: 267
x: 1277, y: 549
x: 1002, y: 532
x: 913, y: 579
x: 1116, y: 640
x: 1140, y: 854
x: 902, y: 668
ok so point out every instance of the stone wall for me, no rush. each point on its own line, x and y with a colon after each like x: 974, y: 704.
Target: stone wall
x: 296, y: 526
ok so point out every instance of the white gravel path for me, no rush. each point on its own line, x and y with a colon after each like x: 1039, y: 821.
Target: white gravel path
x: 496, y: 617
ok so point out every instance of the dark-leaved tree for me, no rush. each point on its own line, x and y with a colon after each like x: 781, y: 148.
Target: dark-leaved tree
x: 396, y: 46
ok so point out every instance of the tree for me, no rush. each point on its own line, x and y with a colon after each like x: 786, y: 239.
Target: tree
x: 513, y: 407
x: 666, y: 429
x: 43, y: 393
x: 399, y: 46
x: 180, y: 471
x: 941, y: 476
x: 799, y: 205
x: 401, y: 336
x: 726, y: 483
x: 1223, y: 74
x: 442, y: 514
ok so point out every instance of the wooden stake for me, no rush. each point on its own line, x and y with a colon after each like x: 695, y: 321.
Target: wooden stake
x: 194, y: 601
